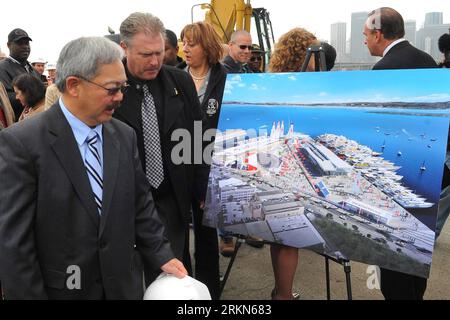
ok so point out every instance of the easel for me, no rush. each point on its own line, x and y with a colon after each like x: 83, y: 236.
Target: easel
x: 347, y: 270
x: 319, y: 58
x: 320, y: 65
x: 345, y: 263
x: 239, y: 240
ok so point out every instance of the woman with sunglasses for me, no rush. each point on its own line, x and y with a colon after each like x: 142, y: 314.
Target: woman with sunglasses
x: 30, y: 91
x: 289, y: 55
x: 203, y: 49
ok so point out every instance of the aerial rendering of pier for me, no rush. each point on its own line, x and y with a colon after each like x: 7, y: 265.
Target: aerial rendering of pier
x: 327, y: 193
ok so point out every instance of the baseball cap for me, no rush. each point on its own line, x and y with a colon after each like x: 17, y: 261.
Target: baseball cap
x: 18, y: 34
x: 256, y: 48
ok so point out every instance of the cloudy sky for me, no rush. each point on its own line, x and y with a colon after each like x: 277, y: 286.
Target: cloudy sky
x: 339, y: 87
x: 52, y: 23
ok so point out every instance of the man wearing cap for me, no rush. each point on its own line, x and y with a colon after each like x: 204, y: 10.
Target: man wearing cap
x: 39, y: 65
x: 16, y: 64
x: 256, y: 59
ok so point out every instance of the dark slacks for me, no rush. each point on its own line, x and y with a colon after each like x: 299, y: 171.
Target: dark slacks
x: 176, y: 230
x: 401, y: 286
x: 206, y: 253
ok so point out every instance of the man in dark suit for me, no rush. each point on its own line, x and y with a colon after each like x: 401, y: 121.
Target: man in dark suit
x: 384, y: 31
x: 160, y: 104
x: 76, y: 212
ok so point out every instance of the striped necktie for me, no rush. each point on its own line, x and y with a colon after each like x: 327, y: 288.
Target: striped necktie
x: 154, y: 169
x: 94, y: 169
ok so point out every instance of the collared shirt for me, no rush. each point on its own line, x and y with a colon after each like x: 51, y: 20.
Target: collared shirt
x: 81, y: 131
x: 389, y: 47
x: 26, y: 66
x: 202, y: 90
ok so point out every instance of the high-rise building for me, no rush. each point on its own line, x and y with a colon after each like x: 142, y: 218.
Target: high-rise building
x: 339, y: 38
x: 428, y: 36
x: 358, y: 50
x: 434, y: 18
x: 427, y: 39
x: 410, y: 31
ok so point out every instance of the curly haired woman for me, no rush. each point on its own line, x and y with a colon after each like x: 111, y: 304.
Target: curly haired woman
x: 288, y: 56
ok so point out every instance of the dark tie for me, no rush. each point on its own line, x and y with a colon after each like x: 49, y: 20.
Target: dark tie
x: 94, y: 168
x: 153, y: 159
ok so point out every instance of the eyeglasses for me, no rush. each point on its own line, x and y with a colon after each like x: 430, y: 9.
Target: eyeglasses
x: 254, y: 59
x: 111, y: 91
x: 243, y: 47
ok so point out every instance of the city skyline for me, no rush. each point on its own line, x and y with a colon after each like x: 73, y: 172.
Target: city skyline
x: 425, y: 37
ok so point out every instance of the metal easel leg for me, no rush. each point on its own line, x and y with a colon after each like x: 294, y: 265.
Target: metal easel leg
x: 327, y: 276
x: 347, y: 270
x: 230, y: 265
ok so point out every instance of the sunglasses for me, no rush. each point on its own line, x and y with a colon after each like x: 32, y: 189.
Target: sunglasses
x: 254, y: 59
x: 111, y: 91
x: 243, y: 47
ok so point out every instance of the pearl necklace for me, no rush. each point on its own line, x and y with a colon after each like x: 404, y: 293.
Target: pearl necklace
x: 198, y: 78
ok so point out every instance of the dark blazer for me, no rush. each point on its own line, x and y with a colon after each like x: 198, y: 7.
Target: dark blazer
x: 232, y: 66
x: 405, y: 56
x: 396, y: 285
x: 211, y: 105
x: 181, y: 110
x: 49, y: 220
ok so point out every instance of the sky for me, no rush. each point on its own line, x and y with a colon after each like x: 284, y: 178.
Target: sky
x: 338, y: 87
x: 53, y: 23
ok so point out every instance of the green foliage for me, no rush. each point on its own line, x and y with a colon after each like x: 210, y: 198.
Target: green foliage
x: 360, y: 248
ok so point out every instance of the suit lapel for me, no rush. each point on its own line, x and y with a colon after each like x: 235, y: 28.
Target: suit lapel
x: 172, y: 102
x: 111, y: 156
x: 66, y: 149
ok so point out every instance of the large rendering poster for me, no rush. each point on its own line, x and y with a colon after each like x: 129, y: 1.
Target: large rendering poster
x: 346, y: 163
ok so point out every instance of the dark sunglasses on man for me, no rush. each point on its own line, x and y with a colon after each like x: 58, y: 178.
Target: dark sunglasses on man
x: 243, y: 47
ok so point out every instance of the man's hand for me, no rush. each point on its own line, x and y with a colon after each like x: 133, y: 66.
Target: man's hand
x: 202, y: 205
x: 176, y: 268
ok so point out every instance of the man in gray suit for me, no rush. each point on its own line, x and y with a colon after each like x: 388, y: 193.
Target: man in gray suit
x: 76, y: 211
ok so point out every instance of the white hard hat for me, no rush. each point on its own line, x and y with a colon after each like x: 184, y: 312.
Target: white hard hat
x: 51, y: 66
x: 38, y: 60
x: 169, y: 287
